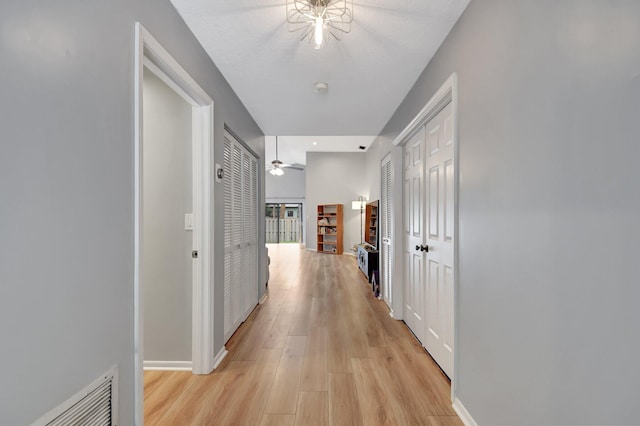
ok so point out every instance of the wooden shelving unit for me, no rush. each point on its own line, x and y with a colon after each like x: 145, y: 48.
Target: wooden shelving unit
x: 371, y: 224
x: 368, y: 252
x: 330, y: 228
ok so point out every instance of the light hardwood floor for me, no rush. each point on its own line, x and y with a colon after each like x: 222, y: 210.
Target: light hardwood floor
x: 320, y: 351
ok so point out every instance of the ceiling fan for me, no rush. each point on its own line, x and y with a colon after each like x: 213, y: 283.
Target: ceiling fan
x: 277, y: 166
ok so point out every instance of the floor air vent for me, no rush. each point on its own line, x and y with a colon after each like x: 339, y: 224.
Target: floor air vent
x: 95, y: 405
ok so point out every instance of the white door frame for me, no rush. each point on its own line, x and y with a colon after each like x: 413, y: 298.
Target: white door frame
x: 447, y: 93
x: 150, y: 54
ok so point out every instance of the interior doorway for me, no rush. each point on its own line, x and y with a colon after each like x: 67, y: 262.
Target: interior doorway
x: 430, y: 222
x: 167, y: 212
x: 429, y: 230
x: 152, y: 57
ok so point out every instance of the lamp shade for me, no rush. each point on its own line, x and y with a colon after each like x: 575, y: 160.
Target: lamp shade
x: 358, y: 205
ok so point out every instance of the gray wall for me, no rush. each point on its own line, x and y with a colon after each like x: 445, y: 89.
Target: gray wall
x: 373, y: 170
x: 167, y: 196
x: 291, y: 185
x: 335, y: 178
x: 66, y: 179
x: 548, y: 238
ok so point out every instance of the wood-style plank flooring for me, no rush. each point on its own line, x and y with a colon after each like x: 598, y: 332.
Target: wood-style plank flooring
x: 320, y: 351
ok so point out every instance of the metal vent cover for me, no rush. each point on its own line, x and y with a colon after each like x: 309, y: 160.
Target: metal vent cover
x: 95, y: 405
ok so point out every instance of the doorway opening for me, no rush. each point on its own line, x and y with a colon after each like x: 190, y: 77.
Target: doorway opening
x: 152, y: 58
x: 167, y: 212
x: 283, y: 223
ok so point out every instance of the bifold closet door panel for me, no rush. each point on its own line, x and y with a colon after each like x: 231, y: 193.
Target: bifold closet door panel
x: 241, y: 234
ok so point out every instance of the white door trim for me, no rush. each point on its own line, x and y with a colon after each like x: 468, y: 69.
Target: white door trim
x: 150, y: 53
x: 447, y: 93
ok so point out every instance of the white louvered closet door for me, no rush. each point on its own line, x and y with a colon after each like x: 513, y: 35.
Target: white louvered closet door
x: 250, y: 236
x: 237, y: 237
x: 241, y: 234
x: 228, y: 215
x: 386, y: 200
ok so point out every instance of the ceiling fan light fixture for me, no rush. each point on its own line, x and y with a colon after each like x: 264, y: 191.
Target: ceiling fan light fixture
x: 276, y: 171
x: 276, y: 165
x: 316, y: 20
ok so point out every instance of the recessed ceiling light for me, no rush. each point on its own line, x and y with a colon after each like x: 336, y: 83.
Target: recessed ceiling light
x: 315, y: 143
x: 320, y: 87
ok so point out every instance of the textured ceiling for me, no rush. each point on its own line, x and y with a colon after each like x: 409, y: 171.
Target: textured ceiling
x: 369, y: 72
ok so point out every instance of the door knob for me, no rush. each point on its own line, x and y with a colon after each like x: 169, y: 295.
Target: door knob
x: 424, y: 248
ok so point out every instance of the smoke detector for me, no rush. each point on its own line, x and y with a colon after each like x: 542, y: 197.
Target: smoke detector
x: 320, y: 87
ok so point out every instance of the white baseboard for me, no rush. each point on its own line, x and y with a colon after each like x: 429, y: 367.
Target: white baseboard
x: 218, y: 358
x: 263, y: 299
x: 168, y: 365
x: 463, y: 413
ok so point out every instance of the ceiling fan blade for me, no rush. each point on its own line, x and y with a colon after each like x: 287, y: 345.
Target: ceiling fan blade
x: 277, y: 164
x: 291, y: 166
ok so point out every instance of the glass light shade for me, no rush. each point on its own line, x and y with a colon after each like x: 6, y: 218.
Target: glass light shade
x: 316, y: 20
x: 318, y: 37
x: 276, y: 171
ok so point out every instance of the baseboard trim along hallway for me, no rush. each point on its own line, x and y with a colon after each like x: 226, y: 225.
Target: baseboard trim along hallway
x: 463, y: 413
x: 220, y: 357
x: 168, y: 365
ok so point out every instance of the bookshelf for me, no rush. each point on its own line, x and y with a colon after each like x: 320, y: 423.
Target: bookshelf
x: 368, y: 255
x: 371, y: 224
x: 329, y: 223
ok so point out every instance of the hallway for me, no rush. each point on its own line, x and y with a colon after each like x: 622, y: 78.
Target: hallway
x: 321, y: 350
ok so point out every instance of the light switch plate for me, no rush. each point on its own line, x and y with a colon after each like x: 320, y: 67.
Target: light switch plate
x: 188, y: 222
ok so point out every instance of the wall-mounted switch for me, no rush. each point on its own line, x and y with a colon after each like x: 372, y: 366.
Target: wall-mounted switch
x: 188, y: 222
